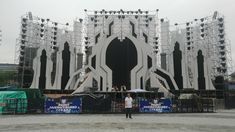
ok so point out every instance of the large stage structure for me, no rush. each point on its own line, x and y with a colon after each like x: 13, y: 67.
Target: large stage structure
x: 124, y: 50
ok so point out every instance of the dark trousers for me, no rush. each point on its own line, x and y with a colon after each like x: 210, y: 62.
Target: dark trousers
x: 128, y: 112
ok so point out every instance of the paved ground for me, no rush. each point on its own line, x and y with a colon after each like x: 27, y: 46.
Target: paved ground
x: 222, y: 121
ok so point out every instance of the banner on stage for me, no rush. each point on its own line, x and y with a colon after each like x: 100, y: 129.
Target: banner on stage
x: 63, y: 105
x: 161, y: 106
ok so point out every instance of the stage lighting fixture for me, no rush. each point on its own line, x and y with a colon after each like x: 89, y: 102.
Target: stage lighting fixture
x: 176, y: 24
x: 42, y: 25
x: 202, y: 35
x: 42, y: 20
x: 221, y: 30
x: 67, y: 24
x: 220, y: 19
x: 54, y: 38
x: 202, y: 19
x: 23, y: 36
x: 224, y: 70
x: 55, y: 28
x: 24, y: 31
x: 114, y: 12
x: 106, y: 16
x: 80, y: 20
x: 86, y: 38
x: 202, y: 30
x: 188, y: 48
x: 188, y: 43
x: 157, y: 10
x: 202, y: 25
x: 22, y: 46
x: 146, y: 12
x: 24, y: 19
x: 85, y: 10
x: 54, y: 43
x: 188, y: 28
x: 195, y: 19
x: 95, y: 12
x: 22, y: 41
x: 188, y: 33
x: 110, y: 12
x: 221, y: 25
x: 221, y: 36
x: 24, y: 25
x: 221, y: 41
x: 146, y: 25
x: 136, y: 16
x: 150, y: 19
x: 41, y: 35
x: 119, y: 16
x: 92, y: 18
x: 188, y: 38
x: 123, y: 17
x: 187, y: 24
x: 55, y: 33
x: 56, y: 23
x: 42, y: 30
x: 48, y: 20
x: 222, y: 52
x: 223, y: 64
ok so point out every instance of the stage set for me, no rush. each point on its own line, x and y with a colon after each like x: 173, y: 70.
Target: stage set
x: 110, y: 51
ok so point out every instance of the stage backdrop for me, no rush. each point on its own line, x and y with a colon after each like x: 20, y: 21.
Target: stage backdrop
x: 63, y: 105
x: 158, y: 106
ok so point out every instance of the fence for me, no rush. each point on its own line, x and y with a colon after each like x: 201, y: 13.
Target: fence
x: 13, y: 106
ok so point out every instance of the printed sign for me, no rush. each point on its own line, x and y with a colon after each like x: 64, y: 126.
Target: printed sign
x: 161, y: 106
x: 63, y: 105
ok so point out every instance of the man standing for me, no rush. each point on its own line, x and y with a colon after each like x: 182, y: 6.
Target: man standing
x: 128, y: 105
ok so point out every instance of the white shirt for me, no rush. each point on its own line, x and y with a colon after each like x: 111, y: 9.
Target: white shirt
x: 128, y: 102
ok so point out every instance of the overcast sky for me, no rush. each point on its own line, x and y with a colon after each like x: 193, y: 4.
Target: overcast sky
x: 177, y: 11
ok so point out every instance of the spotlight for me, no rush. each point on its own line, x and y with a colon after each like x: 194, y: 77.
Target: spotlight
x: 202, y: 19
x: 202, y: 25
x: 56, y: 23
x: 202, y: 35
x: 86, y: 38
x: 123, y: 17
x: 106, y: 16
x: 146, y: 12
x: 92, y: 18
x: 187, y: 24
x: 95, y: 12
x: 42, y: 20
x: 150, y: 19
x: 136, y: 16
x: 24, y: 19
x: 67, y: 24
x: 80, y: 20
x: 48, y: 20
x: 220, y: 19
x: 119, y: 16
x: 85, y: 10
